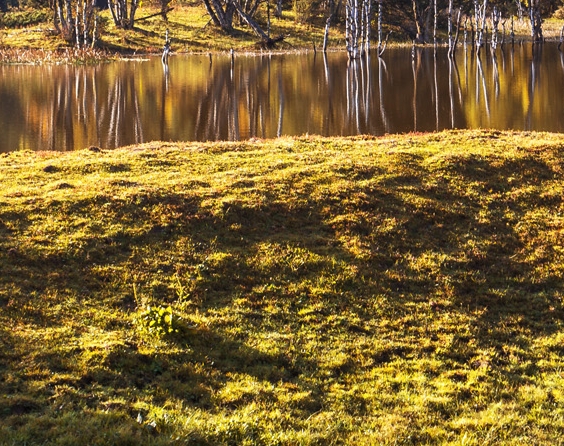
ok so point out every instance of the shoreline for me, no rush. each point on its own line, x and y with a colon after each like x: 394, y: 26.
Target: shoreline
x: 191, y: 34
x: 89, y: 56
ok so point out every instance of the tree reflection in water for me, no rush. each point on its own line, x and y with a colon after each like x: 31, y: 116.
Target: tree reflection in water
x: 223, y: 98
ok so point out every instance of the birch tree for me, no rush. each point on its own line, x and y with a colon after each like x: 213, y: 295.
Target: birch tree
x: 480, y: 16
x: 357, y: 27
x: 76, y: 21
x: 536, y: 21
x: 123, y: 13
x: 221, y: 13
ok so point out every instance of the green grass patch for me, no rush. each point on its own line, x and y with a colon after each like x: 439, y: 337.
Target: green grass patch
x: 392, y: 290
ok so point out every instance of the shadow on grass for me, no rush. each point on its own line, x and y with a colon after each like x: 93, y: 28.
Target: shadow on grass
x: 457, y: 240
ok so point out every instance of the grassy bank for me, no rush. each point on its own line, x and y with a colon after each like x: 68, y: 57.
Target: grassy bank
x: 395, y: 290
x: 191, y: 32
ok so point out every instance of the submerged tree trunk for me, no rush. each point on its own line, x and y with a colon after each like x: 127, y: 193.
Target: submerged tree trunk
x: 326, y: 33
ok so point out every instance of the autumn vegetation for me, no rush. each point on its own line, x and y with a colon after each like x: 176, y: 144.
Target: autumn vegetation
x: 392, y: 290
x: 28, y: 26
x: 395, y: 290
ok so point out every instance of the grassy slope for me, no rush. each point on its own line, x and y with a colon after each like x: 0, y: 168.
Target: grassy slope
x: 190, y: 30
x: 396, y: 290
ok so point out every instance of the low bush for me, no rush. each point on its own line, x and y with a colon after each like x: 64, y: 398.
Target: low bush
x: 25, y: 17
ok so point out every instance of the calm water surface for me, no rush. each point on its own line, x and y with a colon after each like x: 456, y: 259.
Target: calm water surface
x: 202, y: 98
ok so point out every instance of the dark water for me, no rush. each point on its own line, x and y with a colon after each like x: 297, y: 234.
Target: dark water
x: 203, y: 98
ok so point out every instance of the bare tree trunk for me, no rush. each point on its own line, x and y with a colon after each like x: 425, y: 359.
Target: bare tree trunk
x: 366, y: 25
x: 379, y: 26
x: 536, y: 21
x: 435, y: 17
x: 326, y: 34
x: 268, y: 18
x: 415, y: 65
x: 166, y: 51
x: 132, y: 10
x: 70, y: 20
x: 123, y: 16
x: 77, y: 23
x: 418, y: 25
x: 452, y: 49
x: 351, y: 30
x: 450, y: 37
x: 212, y: 14
x: 496, y: 17
x: 480, y: 12
x: 519, y: 10
x: 249, y: 21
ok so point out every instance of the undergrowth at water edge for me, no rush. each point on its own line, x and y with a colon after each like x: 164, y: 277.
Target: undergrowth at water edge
x: 394, y: 290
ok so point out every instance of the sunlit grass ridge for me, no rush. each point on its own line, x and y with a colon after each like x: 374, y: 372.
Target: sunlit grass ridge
x: 394, y: 290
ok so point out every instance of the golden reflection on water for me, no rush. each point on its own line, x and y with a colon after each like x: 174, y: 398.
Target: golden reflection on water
x: 210, y: 98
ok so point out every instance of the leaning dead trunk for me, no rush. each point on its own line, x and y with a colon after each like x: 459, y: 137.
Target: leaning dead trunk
x: 249, y: 21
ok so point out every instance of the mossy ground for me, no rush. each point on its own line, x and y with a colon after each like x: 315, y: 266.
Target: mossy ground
x: 394, y: 290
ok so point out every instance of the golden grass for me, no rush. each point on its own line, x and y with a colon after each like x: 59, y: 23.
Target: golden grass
x: 394, y: 290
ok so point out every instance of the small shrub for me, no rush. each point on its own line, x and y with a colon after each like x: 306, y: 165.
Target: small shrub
x: 157, y: 321
x: 559, y: 13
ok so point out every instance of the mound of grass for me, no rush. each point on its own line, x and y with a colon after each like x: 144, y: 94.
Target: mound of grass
x: 395, y: 290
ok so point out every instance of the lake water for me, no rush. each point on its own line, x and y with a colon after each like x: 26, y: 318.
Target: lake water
x: 206, y: 97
